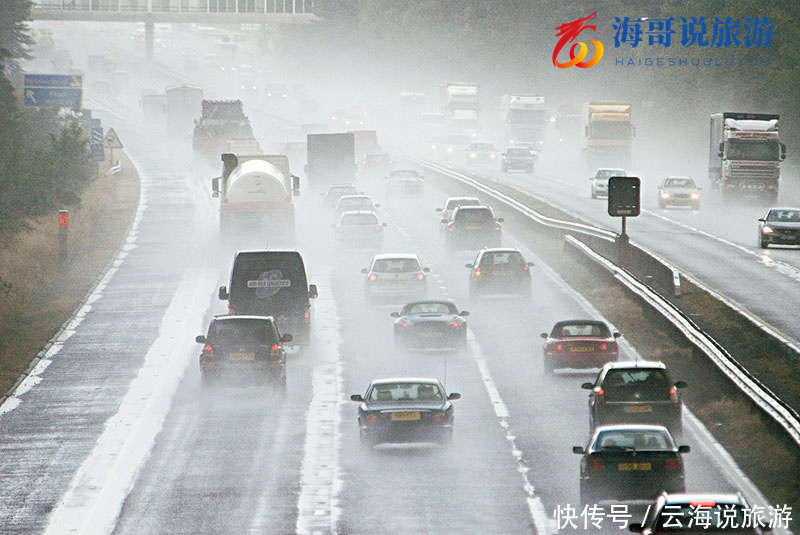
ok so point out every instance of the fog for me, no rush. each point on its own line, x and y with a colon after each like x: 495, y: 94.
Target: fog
x: 238, y: 460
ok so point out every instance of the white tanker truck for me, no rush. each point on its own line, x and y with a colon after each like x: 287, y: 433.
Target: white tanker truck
x: 255, y: 193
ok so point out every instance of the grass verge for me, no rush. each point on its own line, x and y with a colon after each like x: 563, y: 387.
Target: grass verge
x: 39, y: 293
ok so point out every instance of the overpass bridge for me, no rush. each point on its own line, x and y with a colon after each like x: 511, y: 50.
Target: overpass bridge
x: 266, y: 12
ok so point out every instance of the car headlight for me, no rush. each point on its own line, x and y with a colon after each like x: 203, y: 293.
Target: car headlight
x: 665, y: 195
x: 695, y: 196
x: 766, y: 230
x: 449, y: 149
x: 473, y: 155
x: 492, y: 156
x: 433, y: 147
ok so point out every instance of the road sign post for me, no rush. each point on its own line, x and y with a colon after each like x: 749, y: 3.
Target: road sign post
x: 59, y: 90
x: 624, y: 198
x: 63, y: 233
x: 111, y: 142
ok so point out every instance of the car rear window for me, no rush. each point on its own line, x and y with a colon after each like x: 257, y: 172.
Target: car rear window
x: 630, y: 439
x: 241, y: 332
x: 431, y: 308
x: 475, y: 217
x: 351, y: 204
x: 636, y: 385
x: 359, y: 219
x: 375, y: 158
x: 451, y: 205
x: 404, y: 174
x: 341, y: 191
x: 406, y: 392
x: 605, y: 175
x: 581, y: 329
x: 396, y: 265
x: 511, y: 258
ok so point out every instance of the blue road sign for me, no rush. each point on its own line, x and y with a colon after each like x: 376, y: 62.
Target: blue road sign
x: 52, y: 96
x: 96, y: 144
x: 74, y: 81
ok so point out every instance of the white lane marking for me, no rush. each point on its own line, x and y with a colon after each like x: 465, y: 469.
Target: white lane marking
x: 44, y: 358
x: 94, y: 498
x: 320, y: 482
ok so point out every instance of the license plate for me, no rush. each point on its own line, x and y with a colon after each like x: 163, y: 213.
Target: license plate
x: 631, y: 467
x: 639, y: 408
x: 243, y: 356
x: 582, y: 349
x: 473, y: 227
x: 405, y: 416
x: 395, y: 282
x: 431, y: 334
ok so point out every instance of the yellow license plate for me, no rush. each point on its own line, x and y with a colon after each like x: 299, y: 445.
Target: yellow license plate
x: 639, y: 408
x: 582, y: 349
x: 405, y: 416
x: 473, y: 227
x: 630, y: 467
x: 243, y: 356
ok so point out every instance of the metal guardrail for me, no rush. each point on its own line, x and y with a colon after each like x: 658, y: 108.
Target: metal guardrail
x: 289, y: 7
x: 763, y: 397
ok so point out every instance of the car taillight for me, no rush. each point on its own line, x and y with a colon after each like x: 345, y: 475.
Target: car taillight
x: 378, y: 228
x: 439, y: 417
x: 478, y: 273
x: 524, y: 268
x: 596, y: 464
x: 371, y: 418
x: 275, y: 353
x: 450, y: 227
x: 457, y: 323
x: 603, y: 346
x: 497, y: 227
x: 364, y: 162
x: 600, y: 394
x: 339, y: 228
x: 420, y: 276
x: 208, y: 353
x: 673, y: 395
x: 373, y: 277
x: 390, y: 161
x: 559, y: 347
x: 673, y: 463
x: 307, y: 314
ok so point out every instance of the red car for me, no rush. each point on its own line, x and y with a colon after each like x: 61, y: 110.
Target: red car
x: 579, y: 344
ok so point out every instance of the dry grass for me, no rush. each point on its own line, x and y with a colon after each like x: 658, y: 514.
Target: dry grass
x: 39, y: 292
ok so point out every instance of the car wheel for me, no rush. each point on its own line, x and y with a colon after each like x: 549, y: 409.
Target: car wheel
x: 367, y: 443
x: 587, y: 498
x: 594, y: 195
x: 447, y: 439
x: 661, y: 204
x: 548, y: 367
x: 763, y: 243
x: 279, y: 388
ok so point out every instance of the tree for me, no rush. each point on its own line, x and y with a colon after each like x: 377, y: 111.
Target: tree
x: 14, y: 36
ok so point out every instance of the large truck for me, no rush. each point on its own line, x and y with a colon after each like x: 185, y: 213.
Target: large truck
x: 459, y: 103
x: 183, y: 102
x: 524, y: 118
x: 608, y: 133
x: 255, y: 193
x: 221, y: 121
x: 365, y: 142
x: 330, y: 159
x: 745, y: 154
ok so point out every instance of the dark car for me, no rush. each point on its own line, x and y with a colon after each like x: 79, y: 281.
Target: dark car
x: 405, y: 410
x: 503, y: 271
x: 779, y: 226
x: 516, y: 159
x: 473, y: 227
x: 579, y: 344
x: 272, y: 282
x: 701, y: 513
x: 243, y: 350
x: 630, y: 462
x: 405, y: 182
x: 636, y: 392
x: 430, y: 324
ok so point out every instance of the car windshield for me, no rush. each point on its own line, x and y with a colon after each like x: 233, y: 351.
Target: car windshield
x: 703, y: 517
x: 784, y: 216
x: 430, y: 308
x: 679, y: 183
x: 629, y: 439
x: 605, y: 174
x: 359, y: 219
x: 406, y: 392
x: 396, y: 265
x: 404, y: 173
x: 453, y: 203
x: 509, y: 258
x: 471, y: 216
x: 581, y: 329
x: 241, y: 332
x: 636, y: 384
x: 518, y: 152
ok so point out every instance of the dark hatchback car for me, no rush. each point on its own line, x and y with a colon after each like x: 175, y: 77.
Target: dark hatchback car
x: 701, y: 514
x: 244, y: 351
x: 630, y: 462
x: 779, y: 226
x: 636, y: 392
x: 405, y: 410
x: 516, y: 159
x: 473, y: 227
x: 430, y: 325
x: 579, y: 344
x: 502, y: 271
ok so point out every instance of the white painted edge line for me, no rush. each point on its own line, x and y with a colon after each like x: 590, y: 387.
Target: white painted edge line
x: 318, y: 508
x: 98, y: 489
x: 31, y: 377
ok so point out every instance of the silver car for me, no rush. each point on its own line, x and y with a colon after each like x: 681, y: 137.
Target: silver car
x: 600, y: 180
x: 678, y: 191
x: 395, y: 278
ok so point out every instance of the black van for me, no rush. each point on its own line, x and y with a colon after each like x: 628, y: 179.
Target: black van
x: 272, y: 283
